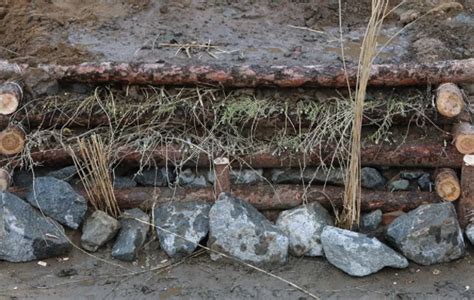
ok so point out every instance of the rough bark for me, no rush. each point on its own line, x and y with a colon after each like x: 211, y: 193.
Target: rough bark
x: 466, y: 203
x: 249, y: 75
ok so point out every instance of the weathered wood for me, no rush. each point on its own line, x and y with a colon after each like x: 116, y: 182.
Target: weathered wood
x: 447, y: 184
x: 463, y: 135
x: 12, y: 140
x: 5, y: 180
x: 449, y: 100
x: 249, y: 75
x: 221, y: 175
x: 11, y: 95
x: 466, y: 203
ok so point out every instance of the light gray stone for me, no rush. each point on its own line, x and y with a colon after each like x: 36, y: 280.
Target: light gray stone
x: 429, y: 234
x: 180, y: 226
x: 155, y: 177
x: 25, y: 234
x: 372, y: 179
x: 470, y: 233
x: 58, y: 200
x: 134, y: 228
x: 357, y: 254
x: 295, y: 175
x: 399, y: 185
x: 303, y: 226
x: 371, y: 221
x: 238, y: 229
x: 98, y: 229
x: 189, y: 178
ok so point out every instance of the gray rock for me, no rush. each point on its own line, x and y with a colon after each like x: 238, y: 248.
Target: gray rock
x: 399, y: 185
x: 24, y: 178
x: 132, y: 235
x: 57, y: 199
x: 238, y: 229
x: 371, y: 221
x: 303, y: 226
x: 357, y: 254
x: 372, y: 179
x: 189, y: 178
x: 25, y: 234
x: 98, y: 229
x: 295, y: 175
x: 470, y: 233
x: 429, y: 234
x: 411, y: 175
x: 123, y: 182
x: 66, y: 173
x: 155, y: 177
x: 246, y: 176
x: 425, y: 183
x: 181, y: 226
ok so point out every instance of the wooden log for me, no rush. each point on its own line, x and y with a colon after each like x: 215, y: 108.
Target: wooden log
x: 12, y: 140
x: 466, y: 203
x: 249, y: 75
x: 449, y: 100
x: 11, y: 95
x: 463, y: 137
x: 447, y: 184
x: 222, y: 176
x: 5, y: 180
x: 266, y: 197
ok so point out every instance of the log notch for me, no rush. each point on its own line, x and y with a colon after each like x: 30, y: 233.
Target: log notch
x: 466, y: 203
x: 5, y: 180
x: 449, y: 100
x: 221, y: 175
x: 447, y: 184
x: 463, y: 137
x: 11, y: 95
x: 12, y: 140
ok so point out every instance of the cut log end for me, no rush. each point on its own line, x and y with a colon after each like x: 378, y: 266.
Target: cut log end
x: 449, y: 100
x: 12, y: 141
x: 464, y: 137
x: 447, y: 185
x: 5, y: 180
x: 10, y: 97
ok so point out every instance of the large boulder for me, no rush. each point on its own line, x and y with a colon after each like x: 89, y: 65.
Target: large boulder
x: 98, y: 229
x: 134, y: 228
x: 180, y: 226
x: 238, y: 229
x: 303, y: 226
x: 58, y: 200
x: 357, y: 254
x: 429, y: 234
x: 25, y: 234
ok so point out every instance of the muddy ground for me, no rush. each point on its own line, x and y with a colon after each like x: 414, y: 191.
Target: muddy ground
x: 238, y: 32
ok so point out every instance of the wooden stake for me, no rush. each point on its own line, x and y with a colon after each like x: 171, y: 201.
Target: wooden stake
x: 12, y: 140
x: 10, y: 97
x: 5, y: 180
x: 447, y: 184
x: 463, y: 134
x: 449, y: 100
x: 466, y: 203
x: 222, y: 181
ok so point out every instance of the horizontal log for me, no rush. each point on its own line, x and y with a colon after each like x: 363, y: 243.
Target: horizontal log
x: 454, y: 71
x: 266, y: 197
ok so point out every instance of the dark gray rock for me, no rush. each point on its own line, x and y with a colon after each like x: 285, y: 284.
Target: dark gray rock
x: 411, y: 175
x: 24, y: 178
x: 123, y: 182
x: 246, y: 176
x: 155, y: 177
x: 98, y: 229
x: 303, y: 226
x: 470, y: 233
x: 189, y: 178
x: 295, y: 175
x: 425, y: 183
x: 66, y: 173
x: 371, y: 221
x: 57, y: 199
x: 372, y: 179
x: 357, y: 254
x: 25, y: 234
x: 132, y: 235
x: 399, y: 185
x: 238, y: 229
x: 429, y: 234
x: 180, y: 226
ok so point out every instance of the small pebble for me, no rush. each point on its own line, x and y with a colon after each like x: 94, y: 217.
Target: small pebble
x: 436, y: 272
x: 42, y: 263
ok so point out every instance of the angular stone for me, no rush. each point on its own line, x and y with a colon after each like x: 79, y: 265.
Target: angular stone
x: 371, y: 221
x: 155, y: 177
x: 372, y: 179
x: 412, y: 175
x: 295, y: 175
x: 98, y: 229
x: 180, y: 226
x: 470, y: 233
x: 303, y: 226
x: 66, y: 173
x: 357, y: 254
x: 123, y: 182
x: 399, y: 185
x: 58, y: 200
x: 425, y: 183
x: 238, y: 229
x: 134, y: 228
x: 25, y: 234
x: 429, y: 234
x: 189, y: 178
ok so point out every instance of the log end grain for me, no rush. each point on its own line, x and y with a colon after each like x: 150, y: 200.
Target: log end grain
x: 449, y: 100
x: 5, y: 180
x: 10, y: 97
x: 464, y: 137
x: 12, y: 140
x: 447, y: 185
